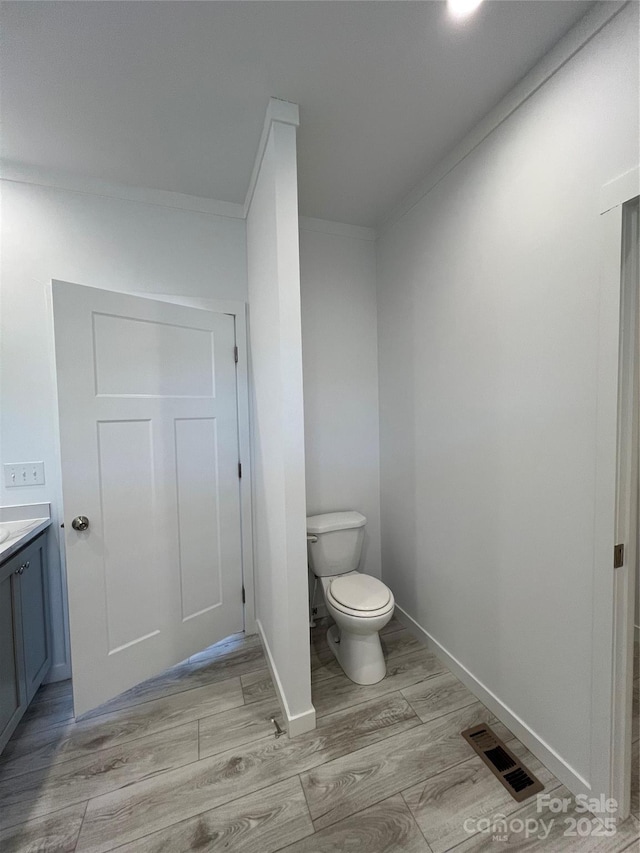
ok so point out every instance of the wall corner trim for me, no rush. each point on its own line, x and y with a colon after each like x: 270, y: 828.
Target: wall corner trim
x: 568, y: 46
x: 284, y: 111
x: 547, y: 755
x: 297, y: 724
x: 278, y: 110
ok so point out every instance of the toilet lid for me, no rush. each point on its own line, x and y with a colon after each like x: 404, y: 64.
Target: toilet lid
x: 360, y: 592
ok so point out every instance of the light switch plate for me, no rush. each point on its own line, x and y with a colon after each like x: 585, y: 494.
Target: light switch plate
x: 23, y: 474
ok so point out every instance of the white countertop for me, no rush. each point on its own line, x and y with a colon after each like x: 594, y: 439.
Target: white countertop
x: 24, y: 523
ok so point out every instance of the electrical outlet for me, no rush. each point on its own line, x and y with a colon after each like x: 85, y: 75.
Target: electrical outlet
x: 23, y: 474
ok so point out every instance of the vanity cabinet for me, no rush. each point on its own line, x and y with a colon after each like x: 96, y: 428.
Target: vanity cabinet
x: 12, y: 695
x: 25, y: 648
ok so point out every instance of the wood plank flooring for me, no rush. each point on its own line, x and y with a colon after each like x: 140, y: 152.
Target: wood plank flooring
x: 189, y: 762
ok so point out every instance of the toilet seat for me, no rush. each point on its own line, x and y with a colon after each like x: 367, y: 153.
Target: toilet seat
x: 359, y: 595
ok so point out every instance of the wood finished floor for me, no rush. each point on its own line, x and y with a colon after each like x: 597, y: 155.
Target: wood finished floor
x: 189, y: 762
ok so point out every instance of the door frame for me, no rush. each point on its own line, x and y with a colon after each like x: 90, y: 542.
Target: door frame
x: 615, y: 507
x: 238, y: 310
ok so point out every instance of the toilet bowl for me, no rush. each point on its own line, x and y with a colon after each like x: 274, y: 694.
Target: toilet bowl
x: 359, y: 604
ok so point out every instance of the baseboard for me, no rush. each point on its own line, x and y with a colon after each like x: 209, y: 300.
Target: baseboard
x: 58, y: 672
x: 546, y: 754
x: 297, y: 724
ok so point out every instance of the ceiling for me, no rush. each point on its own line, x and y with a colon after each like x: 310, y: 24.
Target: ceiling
x: 172, y: 95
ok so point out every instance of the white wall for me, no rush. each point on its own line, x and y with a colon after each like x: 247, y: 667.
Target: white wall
x: 105, y: 242
x: 279, y: 516
x: 340, y: 358
x: 488, y: 321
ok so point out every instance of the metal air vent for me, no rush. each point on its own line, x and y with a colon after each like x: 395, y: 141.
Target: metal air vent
x: 505, y: 766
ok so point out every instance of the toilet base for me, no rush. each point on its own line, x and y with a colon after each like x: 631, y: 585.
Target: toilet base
x: 359, y: 655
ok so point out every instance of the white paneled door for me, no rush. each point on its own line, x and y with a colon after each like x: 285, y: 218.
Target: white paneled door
x: 149, y: 447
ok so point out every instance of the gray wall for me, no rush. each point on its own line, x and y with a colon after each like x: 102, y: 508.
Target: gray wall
x: 340, y: 358
x: 488, y: 336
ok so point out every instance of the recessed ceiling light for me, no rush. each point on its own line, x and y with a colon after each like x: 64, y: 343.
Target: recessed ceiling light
x: 462, y: 8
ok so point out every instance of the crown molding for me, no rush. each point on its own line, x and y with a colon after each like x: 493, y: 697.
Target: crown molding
x: 337, y: 229
x: 620, y: 190
x: 15, y: 173
x: 580, y: 35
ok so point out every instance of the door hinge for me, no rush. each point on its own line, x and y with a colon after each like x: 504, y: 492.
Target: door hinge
x: 240, y: 469
x: 244, y: 599
x: 618, y: 556
x: 235, y: 354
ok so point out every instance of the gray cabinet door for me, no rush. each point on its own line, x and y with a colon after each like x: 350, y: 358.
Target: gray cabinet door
x: 12, y: 694
x: 35, y: 615
x: 24, y: 632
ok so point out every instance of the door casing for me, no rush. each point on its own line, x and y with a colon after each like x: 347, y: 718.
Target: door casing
x: 615, y: 509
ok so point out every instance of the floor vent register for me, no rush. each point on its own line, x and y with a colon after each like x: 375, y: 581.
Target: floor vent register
x: 515, y: 777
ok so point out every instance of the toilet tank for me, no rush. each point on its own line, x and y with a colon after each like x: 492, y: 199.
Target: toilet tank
x: 336, y: 541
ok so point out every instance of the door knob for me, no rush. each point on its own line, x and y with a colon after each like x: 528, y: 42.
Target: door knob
x: 80, y: 522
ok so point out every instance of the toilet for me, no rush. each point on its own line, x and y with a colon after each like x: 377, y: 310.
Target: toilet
x: 360, y: 605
